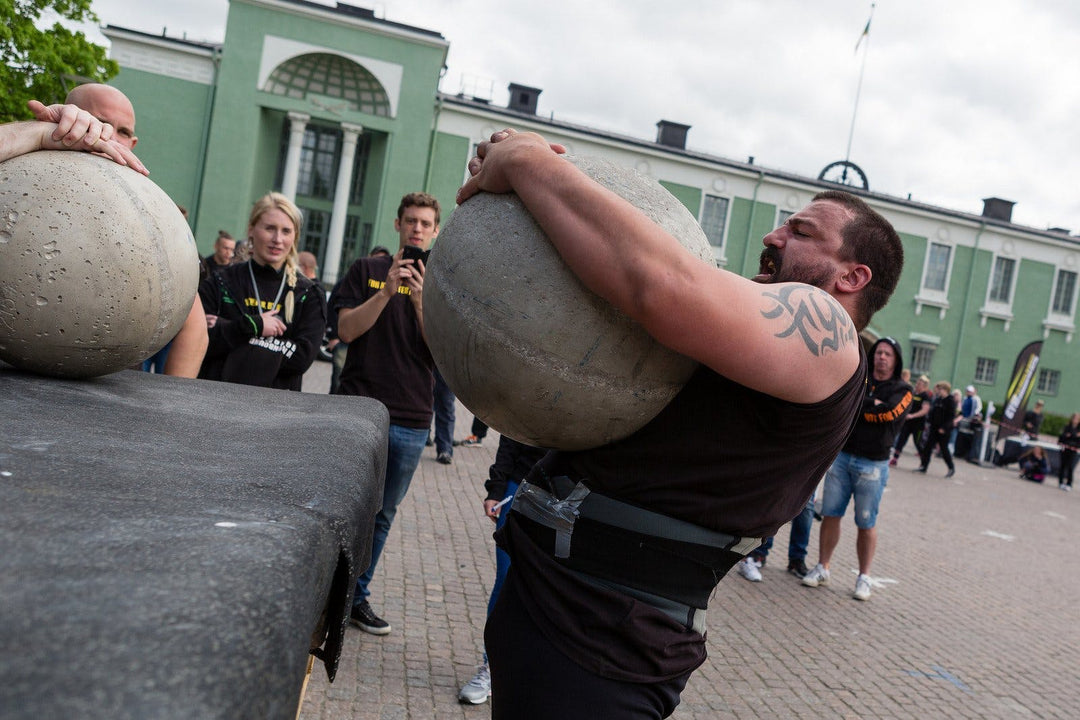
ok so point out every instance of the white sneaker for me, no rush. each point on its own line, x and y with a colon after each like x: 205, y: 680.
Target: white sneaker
x: 748, y: 568
x: 477, y: 690
x: 862, y: 588
x: 818, y: 576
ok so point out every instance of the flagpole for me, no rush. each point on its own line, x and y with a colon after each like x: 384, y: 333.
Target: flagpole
x: 858, y: 88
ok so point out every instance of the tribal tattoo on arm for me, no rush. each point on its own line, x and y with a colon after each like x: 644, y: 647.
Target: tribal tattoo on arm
x: 814, y: 315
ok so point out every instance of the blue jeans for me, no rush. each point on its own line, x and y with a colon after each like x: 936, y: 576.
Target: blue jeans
x: 403, y: 450
x: 444, y: 416
x: 156, y: 362
x: 799, y: 539
x: 853, y: 476
x: 502, y: 559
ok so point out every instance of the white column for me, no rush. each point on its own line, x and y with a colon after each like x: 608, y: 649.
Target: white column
x: 297, y: 125
x: 336, y: 236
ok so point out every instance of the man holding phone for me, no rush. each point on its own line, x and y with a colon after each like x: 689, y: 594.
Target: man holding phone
x: 381, y: 316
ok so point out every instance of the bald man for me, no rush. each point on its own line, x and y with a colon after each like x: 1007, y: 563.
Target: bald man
x: 111, y: 106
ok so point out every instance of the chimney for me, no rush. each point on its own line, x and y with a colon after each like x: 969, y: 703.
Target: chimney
x: 998, y: 209
x: 671, y: 134
x: 523, y: 98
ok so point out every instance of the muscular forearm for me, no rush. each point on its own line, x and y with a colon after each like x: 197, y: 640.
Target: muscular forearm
x: 354, y: 322
x: 22, y: 137
x: 189, y: 346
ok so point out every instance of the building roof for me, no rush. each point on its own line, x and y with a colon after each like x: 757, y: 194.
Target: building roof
x: 480, y: 104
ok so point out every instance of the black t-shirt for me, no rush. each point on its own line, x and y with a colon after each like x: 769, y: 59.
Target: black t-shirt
x: 390, y: 362
x: 720, y: 455
x: 237, y: 352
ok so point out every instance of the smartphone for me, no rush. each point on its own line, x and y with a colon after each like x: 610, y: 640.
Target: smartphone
x: 411, y: 252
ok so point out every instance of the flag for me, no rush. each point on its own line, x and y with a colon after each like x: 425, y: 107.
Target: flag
x: 1023, y: 382
x: 866, y: 30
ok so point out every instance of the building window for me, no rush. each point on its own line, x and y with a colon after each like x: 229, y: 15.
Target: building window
x: 986, y: 370
x: 1064, y: 293
x: 782, y: 216
x: 360, y: 162
x: 937, y: 267
x: 313, y: 235
x: 1001, y: 280
x: 1049, y: 380
x: 922, y: 358
x: 319, y: 162
x: 714, y: 212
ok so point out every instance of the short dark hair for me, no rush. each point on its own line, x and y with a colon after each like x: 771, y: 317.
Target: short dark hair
x: 418, y: 199
x: 869, y: 239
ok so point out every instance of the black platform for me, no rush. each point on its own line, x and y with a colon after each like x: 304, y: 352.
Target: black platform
x: 175, y: 548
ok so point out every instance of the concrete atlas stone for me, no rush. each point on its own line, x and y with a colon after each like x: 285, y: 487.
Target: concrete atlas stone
x: 98, y: 268
x: 525, y: 346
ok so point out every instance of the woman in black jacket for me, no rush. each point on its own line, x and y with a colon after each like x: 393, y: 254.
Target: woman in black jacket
x: 941, y: 418
x: 266, y: 320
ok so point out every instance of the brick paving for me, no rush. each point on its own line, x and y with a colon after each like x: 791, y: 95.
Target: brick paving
x: 974, y: 613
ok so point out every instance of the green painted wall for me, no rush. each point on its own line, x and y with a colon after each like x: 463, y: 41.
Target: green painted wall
x: 449, y: 156
x: 169, y: 122
x: 247, y: 122
x: 688, y: 196
x: 750, y: 222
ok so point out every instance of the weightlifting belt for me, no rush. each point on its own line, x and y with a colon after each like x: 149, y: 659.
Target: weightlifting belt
x: 670, y: 564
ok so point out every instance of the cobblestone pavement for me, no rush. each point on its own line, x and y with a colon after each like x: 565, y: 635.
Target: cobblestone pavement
x: 973, y: 614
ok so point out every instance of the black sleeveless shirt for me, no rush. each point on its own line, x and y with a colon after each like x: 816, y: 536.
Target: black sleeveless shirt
x: 720, y: 455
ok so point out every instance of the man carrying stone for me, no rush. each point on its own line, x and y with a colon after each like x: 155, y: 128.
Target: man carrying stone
x: 380, y: 314
x: 616, y: 550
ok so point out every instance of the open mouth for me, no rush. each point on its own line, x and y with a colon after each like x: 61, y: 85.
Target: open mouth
x: 768, y: 266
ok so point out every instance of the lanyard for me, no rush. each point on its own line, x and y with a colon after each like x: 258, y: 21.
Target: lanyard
x: 255, y: 287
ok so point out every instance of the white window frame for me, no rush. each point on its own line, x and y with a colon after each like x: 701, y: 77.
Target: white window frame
x: 986, y: 370
x: 996, y: 308
x: 718, y: 250
x: 933, y: 297
x: 1043, y: 387
x: 1062, y: 322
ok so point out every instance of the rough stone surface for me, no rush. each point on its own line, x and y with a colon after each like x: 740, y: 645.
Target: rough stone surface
x: 173, y: 548
x: 525, y: 346
x: 98, y: 268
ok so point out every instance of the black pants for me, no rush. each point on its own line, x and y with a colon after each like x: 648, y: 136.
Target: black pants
x: 908, y: 429
x: 1065, y: 468
x: 936, y: 437
x: 532, y: 680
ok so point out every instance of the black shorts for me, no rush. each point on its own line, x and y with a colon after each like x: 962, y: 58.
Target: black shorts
x: 532, y: 680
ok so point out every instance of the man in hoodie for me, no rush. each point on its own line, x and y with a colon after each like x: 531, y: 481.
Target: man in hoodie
x: 862, y: 467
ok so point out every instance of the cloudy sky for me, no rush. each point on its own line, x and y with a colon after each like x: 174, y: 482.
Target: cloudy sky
x: 960, y: 100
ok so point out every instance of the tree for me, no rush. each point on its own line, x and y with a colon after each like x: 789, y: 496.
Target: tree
x: 43, y: 64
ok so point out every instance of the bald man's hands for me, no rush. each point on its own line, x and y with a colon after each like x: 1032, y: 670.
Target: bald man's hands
x: 66, y: 127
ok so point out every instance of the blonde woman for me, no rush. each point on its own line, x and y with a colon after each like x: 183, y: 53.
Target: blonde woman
x: 265, y: 319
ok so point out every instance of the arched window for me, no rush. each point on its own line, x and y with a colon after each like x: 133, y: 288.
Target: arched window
x: 330, y: 77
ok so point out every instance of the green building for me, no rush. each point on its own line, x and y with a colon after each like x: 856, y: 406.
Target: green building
x: 342, y: 111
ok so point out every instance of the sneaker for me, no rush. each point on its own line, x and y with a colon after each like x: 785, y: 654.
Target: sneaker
x: 797, y: 568
x: 363, y: 617
x: 429, y: 442
x: 444, y: 458
x: 818, y: 576
x: 471, y: 441
x: 477, y: 690
x: 920, y: 469
x: 748, y: 568
x: 952, y: 471
x: 862, y: 588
